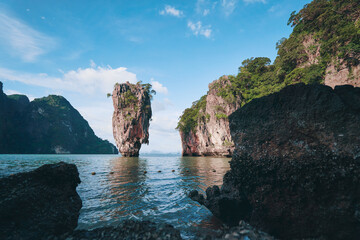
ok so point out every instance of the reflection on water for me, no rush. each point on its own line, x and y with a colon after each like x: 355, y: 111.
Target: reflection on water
x: 130, y: 192
x: 127, y: 186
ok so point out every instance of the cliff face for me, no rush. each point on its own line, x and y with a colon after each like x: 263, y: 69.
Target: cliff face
x: 211, y: 135
x: 337, y: 71
x: 299, y: 120
x: 292, y: 173
x: 131, y: 118
x: 46, y: 125
x: 323, y: 48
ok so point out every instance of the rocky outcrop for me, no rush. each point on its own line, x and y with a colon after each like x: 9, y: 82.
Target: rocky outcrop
x: 40, y: 203
x: 129, y: 229
x: 131, y: 118
x: 211, y: 135
x: 295, y: 167
x: 298, y: 121
x: 337, y: 72
x: 341, y: 74
x: 45, y: 126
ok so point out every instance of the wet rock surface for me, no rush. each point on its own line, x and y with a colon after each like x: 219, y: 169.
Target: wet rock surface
x: 128, y: 229
x: 43, y: 202
x: 295, y: 171
x: 131, y: 117
x: 241, y: 232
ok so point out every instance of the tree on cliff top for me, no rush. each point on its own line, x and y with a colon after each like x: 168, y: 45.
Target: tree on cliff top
x: 335, y: 27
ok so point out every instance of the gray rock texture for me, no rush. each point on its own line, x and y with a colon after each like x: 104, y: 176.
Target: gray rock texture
x: 40, y: 203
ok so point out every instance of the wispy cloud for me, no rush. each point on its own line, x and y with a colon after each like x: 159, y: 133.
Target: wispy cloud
x: 229, y: 6
x: 255, y: 1
x: 198, y: 29
x: 203, y: 7
x: 22, y: 40
x: 158, y: 87
x: 90, y: 80
x: 169, y: 10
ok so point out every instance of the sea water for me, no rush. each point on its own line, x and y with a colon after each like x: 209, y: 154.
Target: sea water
x: 130, y: 193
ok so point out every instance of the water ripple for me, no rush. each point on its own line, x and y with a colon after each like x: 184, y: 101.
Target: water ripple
x: 136, y: 189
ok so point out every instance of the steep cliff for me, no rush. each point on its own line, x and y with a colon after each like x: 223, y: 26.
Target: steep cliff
x: 326, y: 35
x: 131, y: 117
x: 295, y: 166
x: 324, y: 48
x: 46, y: 125
x: 204, y: 129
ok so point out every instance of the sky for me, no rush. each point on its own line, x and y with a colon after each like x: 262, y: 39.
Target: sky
x: 80, y: 49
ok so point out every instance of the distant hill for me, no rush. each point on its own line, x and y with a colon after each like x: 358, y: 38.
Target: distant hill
x: 45, y: 126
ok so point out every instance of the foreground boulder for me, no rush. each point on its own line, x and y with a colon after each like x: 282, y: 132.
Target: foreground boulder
x: 131, y: 117
x: 295, y: 171
x: 39, y: 203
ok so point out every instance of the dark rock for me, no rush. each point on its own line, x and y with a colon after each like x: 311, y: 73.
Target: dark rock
x: 242, y: 231
x: 45, y: 126
x: 295, y: 171
x: 40, y: 203
x: 129, y: 229
x: 299, y: 120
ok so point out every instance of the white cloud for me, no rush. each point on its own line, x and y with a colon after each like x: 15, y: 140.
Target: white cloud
x: 158, y: 87
x: 93, y: 83
x: 22, y: 40
x: 198, y: 29
x: 206, y: 12
x: 229, y: 6
x: 254, y: 1
x: 169, y: 10
x: 88, y: 80
x: 163, y: 136
x: 99, y: 116
x: 92, y: 63
x: 203, y: 7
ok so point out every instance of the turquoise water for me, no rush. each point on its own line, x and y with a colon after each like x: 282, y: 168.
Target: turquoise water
x: 129, y: 193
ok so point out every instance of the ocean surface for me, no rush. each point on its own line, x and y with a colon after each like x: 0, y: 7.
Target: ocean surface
x: 130, y: 193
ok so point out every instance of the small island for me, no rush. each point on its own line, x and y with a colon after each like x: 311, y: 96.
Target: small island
x: 131, y: 117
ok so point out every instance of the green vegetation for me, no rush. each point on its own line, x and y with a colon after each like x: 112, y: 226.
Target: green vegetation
x: 189, y: 118
x: 227, y: 143
x: 221, y: 116
x: 129, y: 99
x: 334, y: 28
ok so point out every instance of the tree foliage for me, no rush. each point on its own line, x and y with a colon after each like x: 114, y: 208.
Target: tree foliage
x: 334, y: 25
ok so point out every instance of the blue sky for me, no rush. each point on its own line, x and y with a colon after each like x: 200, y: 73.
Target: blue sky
x: 79, y: 49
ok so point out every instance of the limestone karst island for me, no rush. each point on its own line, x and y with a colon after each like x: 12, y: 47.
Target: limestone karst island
x: 209, y: 120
